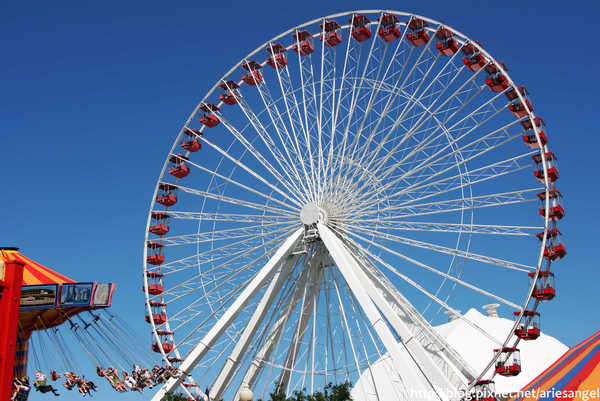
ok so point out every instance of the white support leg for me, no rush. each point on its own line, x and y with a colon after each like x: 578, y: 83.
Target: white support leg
x: 311, y: 299
x: 275, y: 333
x: 220, y: 384
x: 230, y: 314
x: 403, y: 363
x: 444, y: 355
x: 430, y: 369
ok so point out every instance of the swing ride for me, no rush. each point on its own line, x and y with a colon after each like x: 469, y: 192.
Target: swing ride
x: 60, y: 319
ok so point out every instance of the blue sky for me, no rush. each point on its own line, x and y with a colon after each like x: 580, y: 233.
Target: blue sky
x: 94, y: 93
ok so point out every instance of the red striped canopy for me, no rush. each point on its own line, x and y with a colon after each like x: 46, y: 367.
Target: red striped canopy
x: 575, y: 376
x: 34, y: 273
x: 38, y: 274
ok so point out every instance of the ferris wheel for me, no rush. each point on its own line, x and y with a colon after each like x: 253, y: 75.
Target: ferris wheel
x: 336, y: 193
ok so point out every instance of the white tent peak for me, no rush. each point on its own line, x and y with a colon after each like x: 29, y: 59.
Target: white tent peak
x: 477, y: 350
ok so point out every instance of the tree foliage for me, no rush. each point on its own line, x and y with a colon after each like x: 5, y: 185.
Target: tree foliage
x: 175, y: 397
x: 331, y: 392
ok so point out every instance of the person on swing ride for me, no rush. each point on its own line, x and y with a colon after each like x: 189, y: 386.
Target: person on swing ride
x: 46, y: 388
x: 40, y: 383
x: 139, y: 381
x: 174, y: 372
x: 21, y: 389
x: 85, y: 387
x: 99, y: 371
x: 112, y: 376
x: 147, y: 378
x: 92, y: 387
x: 136, y: 369
x: 158, y: 374
x: 40, y: 379
x: 54, y: 376
x: 130, y: 382
x: 70, y: 380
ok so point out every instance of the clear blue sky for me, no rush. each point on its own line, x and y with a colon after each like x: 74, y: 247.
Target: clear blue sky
x: 93, y: 94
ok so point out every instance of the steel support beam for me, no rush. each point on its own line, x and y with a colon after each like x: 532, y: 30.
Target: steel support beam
x: 445, y: 356
x: 275, y: 333
x: 313, y: 288
x: 220, y: 384
x: 229, y: 315
x: 404, y: 365
x: 11, y: 279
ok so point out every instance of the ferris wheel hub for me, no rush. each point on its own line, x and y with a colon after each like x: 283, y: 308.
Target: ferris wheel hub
x: 312, y: 214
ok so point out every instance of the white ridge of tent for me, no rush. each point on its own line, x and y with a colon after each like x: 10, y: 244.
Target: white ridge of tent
x: 476, y: 349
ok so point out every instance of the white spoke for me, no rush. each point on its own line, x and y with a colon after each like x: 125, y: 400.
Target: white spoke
x: 440, y: 273
x: 442, y: 249
x: 234, y: 201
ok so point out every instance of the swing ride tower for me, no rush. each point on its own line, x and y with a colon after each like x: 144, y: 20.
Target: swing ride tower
x: 11, y: 275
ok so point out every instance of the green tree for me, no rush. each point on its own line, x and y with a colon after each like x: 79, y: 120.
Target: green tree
x: 175, y: 397
x: 331, y: 392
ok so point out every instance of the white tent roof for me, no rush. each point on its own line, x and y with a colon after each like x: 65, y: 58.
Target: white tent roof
x: 477, y: 350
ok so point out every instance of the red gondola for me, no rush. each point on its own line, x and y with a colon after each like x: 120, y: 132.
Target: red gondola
x: 474, y: 60
x: 332, y: 33
x: 483, y: 390
x: 167, y: 347
x: 529, y: 327
x: 155, y: 289
x: 192, y: 144
x: 277, y: 58
x: 544, y: 289
x: 529, y: 136
x: 556, y: 210
x: 496, y: 81
x: 157, y: 257
x: 418, y: 35
x: 469, y: 48
x: 360, y: 32
x: 253, y: 76
x: 208, y: 118
x: 165, y: 342
x: 158, y: 225
x: 178, y: 168
x: 166, y: 196
x: 154, y: 279
x: 303, y: 41
x: 508, y: 362
x: 231, y: 96
x: 555, y: 252
x: 389, y: 27
x: 515, y: 105
x: 519, y: 110
x: 157, y: 319
x: 447, y: 46
x: 538, y: 121
x: 554, y: 248
x: 551, y: 166
x: 158, y: 312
